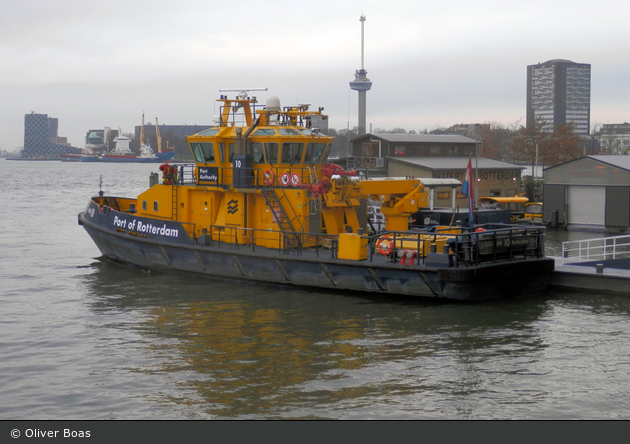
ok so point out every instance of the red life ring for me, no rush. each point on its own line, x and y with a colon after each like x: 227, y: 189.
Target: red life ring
x: 479, y: 230
x: 384, y: 245
x: 268, y: 178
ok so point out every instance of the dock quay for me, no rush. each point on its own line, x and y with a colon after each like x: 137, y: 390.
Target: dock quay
x: 589, y: 277
x: 601, y: 264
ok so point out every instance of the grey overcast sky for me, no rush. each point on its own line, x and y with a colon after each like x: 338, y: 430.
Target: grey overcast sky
x: 102, y: 63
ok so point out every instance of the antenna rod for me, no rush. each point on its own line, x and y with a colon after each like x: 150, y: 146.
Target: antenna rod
x: 362, y: 20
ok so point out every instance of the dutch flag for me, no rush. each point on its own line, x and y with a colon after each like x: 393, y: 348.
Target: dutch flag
x: 467, y: 190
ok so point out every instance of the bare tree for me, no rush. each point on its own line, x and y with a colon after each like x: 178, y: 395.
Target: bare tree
x: 527, y: 141
x: 563, y: 145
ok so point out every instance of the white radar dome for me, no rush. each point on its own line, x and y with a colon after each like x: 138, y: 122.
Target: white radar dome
x: 273, y: 104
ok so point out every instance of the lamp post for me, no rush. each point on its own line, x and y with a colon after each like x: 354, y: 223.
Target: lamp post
x: 536, y: 170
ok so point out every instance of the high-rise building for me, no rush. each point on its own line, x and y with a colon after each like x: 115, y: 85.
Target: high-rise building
x: 41, y: 140
x: 559, y: 92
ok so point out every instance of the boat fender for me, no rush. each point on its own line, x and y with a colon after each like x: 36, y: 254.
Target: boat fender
x: 384, y: 245
x: 268, y: 178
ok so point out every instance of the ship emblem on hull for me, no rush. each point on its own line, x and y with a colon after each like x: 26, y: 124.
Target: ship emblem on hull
x: 232, y: 206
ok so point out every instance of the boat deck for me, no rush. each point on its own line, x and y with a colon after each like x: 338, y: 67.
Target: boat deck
x: 407, y: 249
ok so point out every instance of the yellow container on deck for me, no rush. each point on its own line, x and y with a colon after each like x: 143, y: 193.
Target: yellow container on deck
x: 352, y: 247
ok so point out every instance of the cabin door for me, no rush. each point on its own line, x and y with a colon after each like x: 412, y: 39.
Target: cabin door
x: 370, y: 149
x: 369, y: 153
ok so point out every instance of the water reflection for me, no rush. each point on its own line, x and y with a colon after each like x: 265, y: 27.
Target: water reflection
x: 249, y: 350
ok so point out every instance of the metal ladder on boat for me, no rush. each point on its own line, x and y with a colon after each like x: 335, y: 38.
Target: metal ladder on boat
x: 315, y: 204
x: 174, y: 192
x: 286, y: 223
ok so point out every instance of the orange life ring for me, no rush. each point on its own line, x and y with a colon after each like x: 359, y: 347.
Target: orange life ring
x: 268, y: 178
x: 384, y: 245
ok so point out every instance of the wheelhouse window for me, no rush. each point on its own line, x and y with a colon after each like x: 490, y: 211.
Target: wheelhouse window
x: 203, y: 151
x: 289, y: 132
x: 222, y: 152
x: 292, y: 152
x: 230, y: 151
x: 209, y: 132
x: 314, y: 153
x: 265, y: 132
x: 272, y: 149
x: 226, y: 155
x: 257, y: 152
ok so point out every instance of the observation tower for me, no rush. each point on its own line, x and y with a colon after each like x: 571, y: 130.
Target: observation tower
x: 361, y: 84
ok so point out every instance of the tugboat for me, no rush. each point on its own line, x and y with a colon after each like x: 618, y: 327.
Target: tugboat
x: 260, y: 203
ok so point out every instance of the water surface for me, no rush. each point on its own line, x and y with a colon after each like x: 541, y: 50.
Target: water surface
x: 84, y: 338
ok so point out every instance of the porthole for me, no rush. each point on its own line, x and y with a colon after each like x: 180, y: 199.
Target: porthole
x: 155, y: 205
x: 144, y: 205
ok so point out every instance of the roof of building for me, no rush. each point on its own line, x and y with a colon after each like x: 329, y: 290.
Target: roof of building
x: 453, y: 163
x: 618, y: 161
x: 418, y: 138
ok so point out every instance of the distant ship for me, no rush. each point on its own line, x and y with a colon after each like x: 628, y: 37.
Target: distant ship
x: 69, y: 157
x: 122, y: 152
x: 85, y: 156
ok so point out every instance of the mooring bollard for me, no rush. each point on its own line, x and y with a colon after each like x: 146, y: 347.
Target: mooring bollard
x: 599, y: 268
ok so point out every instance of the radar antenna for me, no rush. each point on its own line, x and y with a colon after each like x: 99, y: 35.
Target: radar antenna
x: 242, y: 92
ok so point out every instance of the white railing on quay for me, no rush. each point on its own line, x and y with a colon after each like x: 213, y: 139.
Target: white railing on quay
x: 600, y: 249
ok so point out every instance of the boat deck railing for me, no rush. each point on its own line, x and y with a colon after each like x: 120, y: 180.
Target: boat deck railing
x: 495, y: 243
x: 600, y: 249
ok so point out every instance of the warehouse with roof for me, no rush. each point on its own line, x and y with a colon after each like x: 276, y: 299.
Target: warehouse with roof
x: 590, y: 193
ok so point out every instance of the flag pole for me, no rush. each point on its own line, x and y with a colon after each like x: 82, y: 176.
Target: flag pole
x: 468, y: 190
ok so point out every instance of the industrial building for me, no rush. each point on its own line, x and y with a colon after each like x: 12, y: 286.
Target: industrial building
x: 591, y: 193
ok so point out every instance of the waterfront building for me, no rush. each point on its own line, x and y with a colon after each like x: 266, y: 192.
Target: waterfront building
x: 436, y: 156
x: 591, y: 193
x: 559, y: 93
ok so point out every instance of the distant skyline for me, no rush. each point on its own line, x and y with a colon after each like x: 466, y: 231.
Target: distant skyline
x: 97, y: 64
